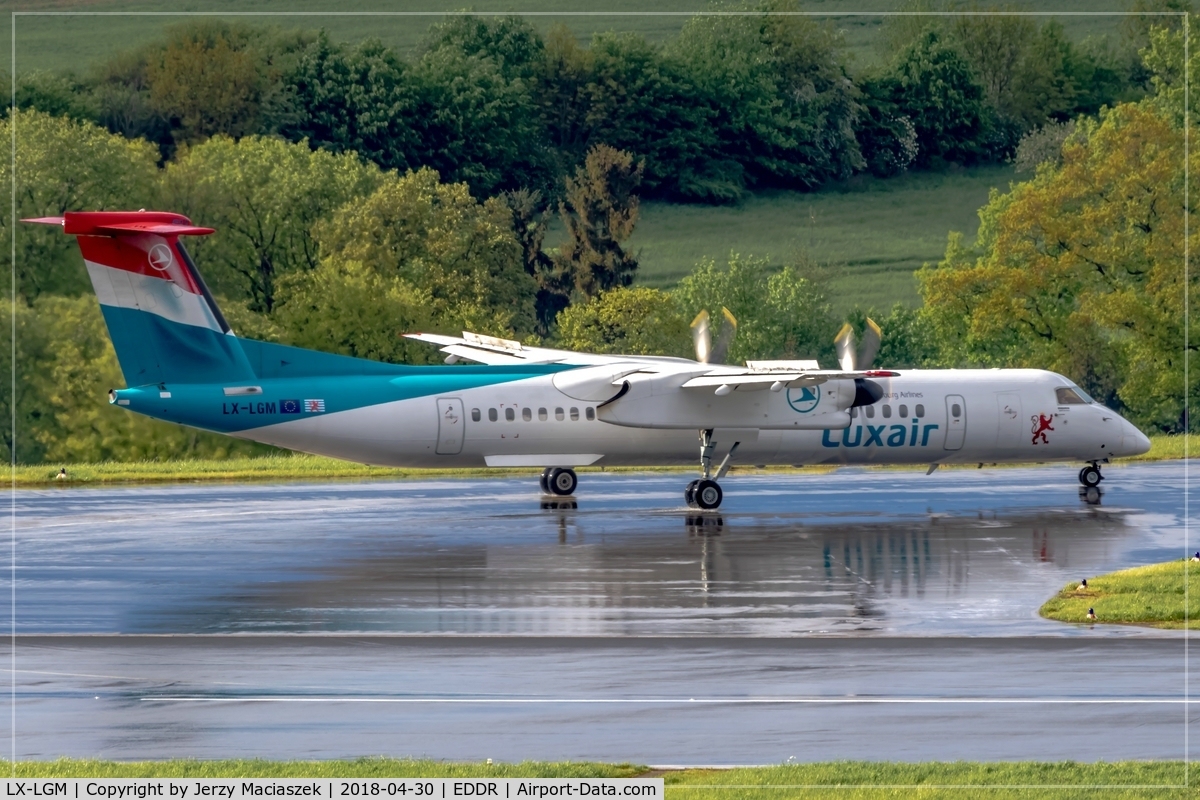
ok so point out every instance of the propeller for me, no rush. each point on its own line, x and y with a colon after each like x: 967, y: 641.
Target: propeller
x: 706, y: 351
x: 844, y: 342
x: 865, y: 392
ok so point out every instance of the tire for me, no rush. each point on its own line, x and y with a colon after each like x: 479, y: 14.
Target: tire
x: 689, y: 493
x: 708, y: 495
x: 1090, y: 476
x: 544, y: 482
x: 562, y: 482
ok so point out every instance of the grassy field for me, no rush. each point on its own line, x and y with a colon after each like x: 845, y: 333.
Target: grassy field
x: 76, y: 42
x: 848, y: 779
x: 1152, y: 595
x: 870, y: 233
x: 306, y: 467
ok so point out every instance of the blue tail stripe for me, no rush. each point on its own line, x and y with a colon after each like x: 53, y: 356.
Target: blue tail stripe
x: 152, y: 349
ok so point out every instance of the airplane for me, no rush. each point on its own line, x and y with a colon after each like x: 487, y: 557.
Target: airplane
x: 521, y: 406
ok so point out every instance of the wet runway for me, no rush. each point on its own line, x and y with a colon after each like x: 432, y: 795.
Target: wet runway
x: 856, y: 614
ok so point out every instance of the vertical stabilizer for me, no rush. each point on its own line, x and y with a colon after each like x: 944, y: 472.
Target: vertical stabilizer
x: 163, y: 321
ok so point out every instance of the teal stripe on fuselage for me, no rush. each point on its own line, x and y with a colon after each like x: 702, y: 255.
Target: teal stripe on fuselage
x: 207, y: 406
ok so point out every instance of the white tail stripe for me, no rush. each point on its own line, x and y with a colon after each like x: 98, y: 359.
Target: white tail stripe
x: 124, y: 289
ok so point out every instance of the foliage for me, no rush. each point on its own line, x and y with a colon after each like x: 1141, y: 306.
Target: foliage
x: 1080, y: 271
x: 360, y: 100
x: 782, y: 106
x: 932, y: 84
x: 629, y: 320
x: 781, y: 314
x: 263, y: 196
x: 511, y: 42
x: 1152, y: 595
x: 887, y: 137
x: 423, y: 250
x: 63, y: 165
x: 1042, y: 146
x: 553, y: 282
x: 600, y: 212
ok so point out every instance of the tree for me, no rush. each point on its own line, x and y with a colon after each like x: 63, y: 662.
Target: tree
x: 780, y: 313
x: 1080, y: 270
x: 511, y: 42
x: 435, y: 236
x: 553, y: 283
x: 63, y: 165
x: 933, y: 86
x: 600, y: 211
x: 263, y: 196
x: 362, y: 100
x: 629, y: 320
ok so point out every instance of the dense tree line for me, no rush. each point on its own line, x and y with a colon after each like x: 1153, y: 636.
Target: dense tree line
x: 730, y: 104
x: 358, y: 195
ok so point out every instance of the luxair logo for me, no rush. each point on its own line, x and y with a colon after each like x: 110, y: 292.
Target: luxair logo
x: 159, y: 257
x: 804, y: 399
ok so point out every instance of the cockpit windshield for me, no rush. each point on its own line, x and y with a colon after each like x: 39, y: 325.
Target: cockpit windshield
x: 1071, y: 396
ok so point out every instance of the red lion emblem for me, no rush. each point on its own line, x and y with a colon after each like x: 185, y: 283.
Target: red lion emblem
x: 1041, y: 424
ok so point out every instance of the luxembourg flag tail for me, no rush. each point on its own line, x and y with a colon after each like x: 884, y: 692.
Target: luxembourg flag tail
x: 163, y: 321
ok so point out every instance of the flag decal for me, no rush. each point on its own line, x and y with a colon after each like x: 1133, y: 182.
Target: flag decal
x: 314, y: 406
x: 289, y: 406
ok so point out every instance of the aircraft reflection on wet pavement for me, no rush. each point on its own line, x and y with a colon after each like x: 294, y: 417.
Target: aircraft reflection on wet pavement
x: 363, y: 558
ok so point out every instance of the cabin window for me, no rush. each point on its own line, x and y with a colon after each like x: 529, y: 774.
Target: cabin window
x: 870, y: 412
x: 558, y: 414
x: 542, y: 414
x: 574, y: 415
x: 903, y: 411
x: 854, y: 413
x: 887, y: 412
x: 510, y: 414
x: 526, y: 414
x: 590, y: 413
x: 492, y: 415
x: 1068, y: 397
x: 956, y: 410
x: 920, y: 411
x: 475, y: 415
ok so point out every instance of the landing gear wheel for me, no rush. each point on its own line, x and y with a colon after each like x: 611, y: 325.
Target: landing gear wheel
x: 708, y: 494
x: 544, y: 481
x: 562, y: 482
x: 689, y: 493
x: 1090, y: 476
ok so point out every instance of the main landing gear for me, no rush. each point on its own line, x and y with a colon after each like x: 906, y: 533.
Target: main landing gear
x: 705, y: 492
x: 558, y: 480
x: 1090, y: 475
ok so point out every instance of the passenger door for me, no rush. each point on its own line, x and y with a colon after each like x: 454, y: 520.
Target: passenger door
x: 451, y: 425
x: 1010, y: 425
x: 956, y: 421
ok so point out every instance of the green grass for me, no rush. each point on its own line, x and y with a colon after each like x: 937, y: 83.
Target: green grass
x: 871, y: 233
x: 51, y: 43
x: 305, y: 467
x: 357, y: 768
x: 845, y: 779
x: 1152, y: 596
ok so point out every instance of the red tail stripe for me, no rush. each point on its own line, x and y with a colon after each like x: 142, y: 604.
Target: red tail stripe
x: 121, y: 252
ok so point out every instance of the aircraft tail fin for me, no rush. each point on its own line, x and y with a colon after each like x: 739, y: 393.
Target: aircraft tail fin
x: 164, y: 323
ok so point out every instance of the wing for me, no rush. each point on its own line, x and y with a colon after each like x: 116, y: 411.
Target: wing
x: 776, y: 379
x: 493, y: 350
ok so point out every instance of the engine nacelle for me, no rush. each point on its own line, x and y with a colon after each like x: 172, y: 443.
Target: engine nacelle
x: 653, y: 401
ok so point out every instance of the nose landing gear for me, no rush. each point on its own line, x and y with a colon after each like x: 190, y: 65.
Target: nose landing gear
x: 558, y: 480
x: 1090, y: 475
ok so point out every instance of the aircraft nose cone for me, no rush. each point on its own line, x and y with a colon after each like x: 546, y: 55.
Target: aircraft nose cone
x: 1133, y: 441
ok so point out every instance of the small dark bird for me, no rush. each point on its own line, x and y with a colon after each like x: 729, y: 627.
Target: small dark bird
x: 62, y: 475
x: 1197, y: 556
x: 1091, y: 614
x: 1083, y: 585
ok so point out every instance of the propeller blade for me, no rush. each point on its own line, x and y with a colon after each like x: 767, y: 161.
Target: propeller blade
x: 870, y: 345
x: 844, y: 342
x: 724, y: 338
x: 701, y: 337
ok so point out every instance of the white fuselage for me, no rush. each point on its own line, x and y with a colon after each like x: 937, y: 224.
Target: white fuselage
x: 924, y: 417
